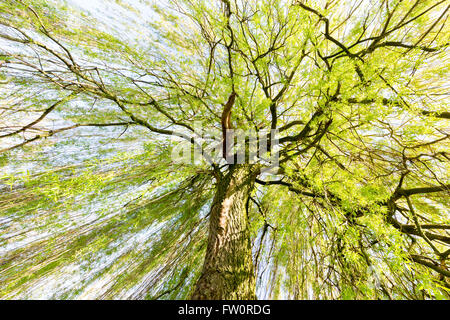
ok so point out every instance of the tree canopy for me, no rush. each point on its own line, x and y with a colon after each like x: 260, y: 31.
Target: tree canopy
x: 93, y: 205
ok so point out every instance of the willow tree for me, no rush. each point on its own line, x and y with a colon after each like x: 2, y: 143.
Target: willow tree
x: 93, y: 204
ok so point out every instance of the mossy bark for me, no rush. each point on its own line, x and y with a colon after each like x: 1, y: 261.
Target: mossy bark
x: 228, y: 267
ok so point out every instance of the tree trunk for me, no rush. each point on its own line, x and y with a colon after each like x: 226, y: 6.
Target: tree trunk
x: 228, y: 267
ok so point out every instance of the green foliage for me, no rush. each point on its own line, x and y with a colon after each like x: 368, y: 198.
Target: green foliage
x: 92, y: 205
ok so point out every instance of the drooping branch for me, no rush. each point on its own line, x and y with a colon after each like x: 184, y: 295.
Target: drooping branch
x: 50, y: 133
x: 41, y: 117
x: 420, y: 190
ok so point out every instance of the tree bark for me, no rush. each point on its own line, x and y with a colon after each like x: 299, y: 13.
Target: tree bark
x: 228, y: 267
